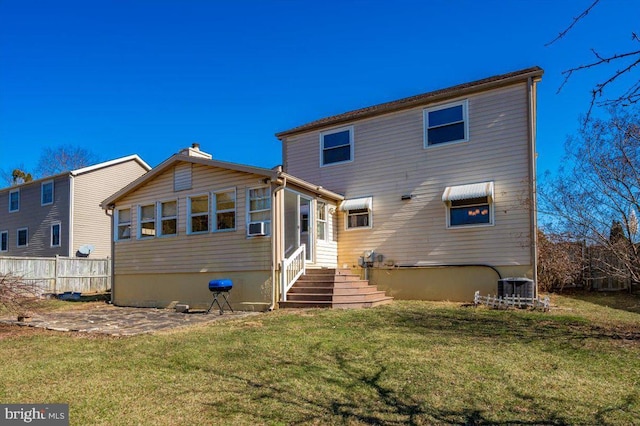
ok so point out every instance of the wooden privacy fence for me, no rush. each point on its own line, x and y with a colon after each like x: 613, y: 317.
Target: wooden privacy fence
x: 61, y: 274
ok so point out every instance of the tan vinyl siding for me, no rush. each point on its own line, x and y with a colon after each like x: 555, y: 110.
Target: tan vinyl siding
x: 390, y: 161
x: 208, y: 252
x: 37, y: 218
x: 90, y: 223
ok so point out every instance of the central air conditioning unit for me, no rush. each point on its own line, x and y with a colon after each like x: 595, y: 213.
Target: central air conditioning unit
x: 256, y: 229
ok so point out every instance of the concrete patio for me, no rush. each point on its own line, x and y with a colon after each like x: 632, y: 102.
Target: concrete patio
x: 120, y: 321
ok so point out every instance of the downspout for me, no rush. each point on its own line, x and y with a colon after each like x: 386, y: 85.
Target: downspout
x: 71, y: 201
x: 532, y: 94
x: 109, y: 212
x: 274, y: 236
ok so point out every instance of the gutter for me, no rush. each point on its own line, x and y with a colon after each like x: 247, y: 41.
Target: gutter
x: 109, y: 212
x: 274, y: 237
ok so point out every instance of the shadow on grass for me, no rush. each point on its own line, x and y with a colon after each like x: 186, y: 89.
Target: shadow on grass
x: 385, y: 405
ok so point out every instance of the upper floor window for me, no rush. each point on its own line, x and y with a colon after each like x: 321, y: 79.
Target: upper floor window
x: 147, y: 221
x: 359, y: 211
x: 168, y: 218
x: 123, y: 221
x: 469, y: 205
x: 14, y: 200
x: 259, y: 201
x: 225, y: 210
x: 4, y: 241
x: 321, y: 220
x: 336, y: 146
x: 55, y: 235
x: 198, y: 214
x: 46, y: 193
x: 446, y: 123
x: 23, y: 237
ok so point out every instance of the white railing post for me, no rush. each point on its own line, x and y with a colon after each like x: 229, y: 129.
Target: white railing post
x: 292, y: 268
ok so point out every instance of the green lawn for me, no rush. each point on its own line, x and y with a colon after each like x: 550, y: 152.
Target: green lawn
x: 405, y: 363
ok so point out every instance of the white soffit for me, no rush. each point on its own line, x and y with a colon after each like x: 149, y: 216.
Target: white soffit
x: 465, y: 192
x: 356, y: 204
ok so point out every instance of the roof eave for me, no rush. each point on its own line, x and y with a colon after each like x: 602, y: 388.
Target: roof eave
x: 418, y: 100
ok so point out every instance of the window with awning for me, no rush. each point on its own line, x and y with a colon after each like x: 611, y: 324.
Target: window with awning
x: 469, y: 205
x: 358, y: 212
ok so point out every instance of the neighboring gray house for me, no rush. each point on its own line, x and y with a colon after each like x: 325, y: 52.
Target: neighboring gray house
x: 58, y: 215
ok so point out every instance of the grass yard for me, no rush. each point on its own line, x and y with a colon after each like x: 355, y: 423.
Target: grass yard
x: 405, y: 363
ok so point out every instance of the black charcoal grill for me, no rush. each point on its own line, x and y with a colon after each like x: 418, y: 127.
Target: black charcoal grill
x: 219, y: 288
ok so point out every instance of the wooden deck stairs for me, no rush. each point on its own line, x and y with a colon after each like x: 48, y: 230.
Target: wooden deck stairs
x: 333, y: 288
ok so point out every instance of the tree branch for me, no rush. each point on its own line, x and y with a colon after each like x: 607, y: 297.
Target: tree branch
x: 575, y: 21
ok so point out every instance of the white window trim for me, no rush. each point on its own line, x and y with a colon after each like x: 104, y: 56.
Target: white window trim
x: 14, y: 191
x: 425, y: 120
x: 189, y: 215
x: 351, y: 145
x: 324, y: 221
x: 249, y: 211
x: 472, y: 225
x: 116, y: 218
x: 160, y: 218
x: 214, y: 209
x: 42, y: 203
x: 18, y: 237
x: 59, y: 225
x: 1, y: 234
x: 357, y: 228
x: 140, y: 221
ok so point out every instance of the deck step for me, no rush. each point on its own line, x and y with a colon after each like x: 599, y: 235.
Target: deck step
x: 333, y: 288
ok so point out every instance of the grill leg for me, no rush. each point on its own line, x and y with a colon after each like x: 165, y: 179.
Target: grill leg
x: 216, y: 302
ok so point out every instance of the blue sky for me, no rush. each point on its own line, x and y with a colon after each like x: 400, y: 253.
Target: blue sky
x: 152, y: 76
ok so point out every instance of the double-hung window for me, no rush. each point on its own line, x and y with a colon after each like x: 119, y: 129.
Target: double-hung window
x: 4, y: 241
x: 225, y: 210
x: 446, y: 123
x: 46, y: 193
x: 358, y: 212
x: 123, y: 224
x: 168, y: 218
x: 14, y: 200
x: 259, y: 201
x: 23, y: 237
x: 198, y: 214
x: 147, y: 221
x: 336, y: 146
x: 321, y: 220
x: 55, y: 234
x: 469, y: 205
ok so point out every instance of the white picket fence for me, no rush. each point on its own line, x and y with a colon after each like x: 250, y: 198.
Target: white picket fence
x: 59, y: 274
x: 513, y: 301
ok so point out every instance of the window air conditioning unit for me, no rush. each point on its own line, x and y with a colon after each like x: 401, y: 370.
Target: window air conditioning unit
x: 256, y: 229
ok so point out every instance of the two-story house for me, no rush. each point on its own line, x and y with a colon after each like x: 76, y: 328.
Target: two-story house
x: 59, y: 215
x: 428, y: 197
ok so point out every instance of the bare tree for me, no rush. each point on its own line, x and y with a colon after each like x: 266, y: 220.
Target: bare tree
x: 626, y: 62
x: 595, y: 198
x: 54, y: 160
x: 560, y: 261
x: 17, y: 296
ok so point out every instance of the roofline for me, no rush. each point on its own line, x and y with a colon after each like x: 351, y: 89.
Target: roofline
x: 81, y: 171
x: 418, y: 100
x: 272, y: 174
x: 311, y: 187
x: 111, y: 163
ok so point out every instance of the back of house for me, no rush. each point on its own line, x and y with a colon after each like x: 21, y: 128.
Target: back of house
x: 439, y: 188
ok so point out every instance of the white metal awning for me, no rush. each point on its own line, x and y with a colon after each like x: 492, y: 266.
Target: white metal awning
x: 465, y: 192
x: 356, y: 204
